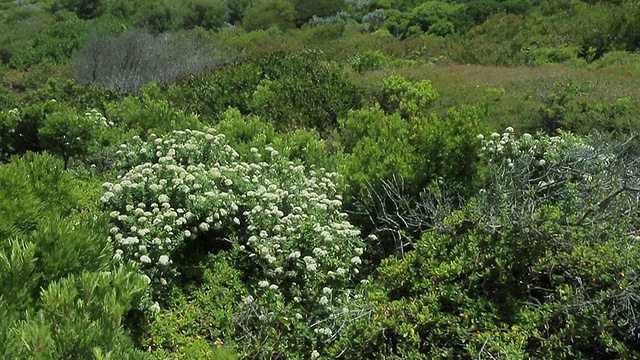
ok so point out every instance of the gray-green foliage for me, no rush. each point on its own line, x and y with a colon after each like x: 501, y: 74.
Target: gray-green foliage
x: 540, y: 264
x: 126, y: 62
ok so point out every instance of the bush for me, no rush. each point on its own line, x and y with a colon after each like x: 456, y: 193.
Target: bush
x: 265, y: 15
x: 67, y: 134
x: 54, y: 45
x: 130, y: 60
x: 207, y: 14
x: 63, y: 295
x: 85, y: 9
x: 568, y: 108
x: 210, y: 95
x: 148, y: 113
x: 434, y: 17
x: 541, y: 263
x: 307, y: 9
x: 280, y: 223
x: 414, y: 150
x: 300, y: 90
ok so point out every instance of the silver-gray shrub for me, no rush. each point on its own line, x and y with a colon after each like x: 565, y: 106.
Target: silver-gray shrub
x: 338, y: 18
x: 374, y: 20
x: 134, y: 58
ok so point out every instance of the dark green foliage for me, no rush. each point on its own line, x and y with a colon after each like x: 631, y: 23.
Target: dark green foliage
x: 289, y: 90
x: 18, y: 27
x: 67, y: 134
x: 501, y: 40
x: 540, y: 264
x: 207, y: 14
x: 569, y: 108
x: 306, y: 9
x: 237, y: 9
x: 212, y: 94
x: 85, y: 9
x: 21, y: 128
x: 406, y: 144
x: 434, y: 17
x: 300, y: 90
x: 146, y: 114
x: 265, y: 15
x: 156, y: 16
x: 204, y: 313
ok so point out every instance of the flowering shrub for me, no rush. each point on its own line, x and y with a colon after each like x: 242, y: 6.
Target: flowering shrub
x: 297, y: 250
x: 540, y: 263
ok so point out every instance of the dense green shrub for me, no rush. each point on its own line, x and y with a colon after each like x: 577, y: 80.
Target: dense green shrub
x: 265, y: 15
x: 21, y: 128
x: 569, y: 108
x: 369, y: 61
x: 307, y: 9
x: 408, y: 145
x: 18, y: 26
x: 63, y: 296
x: 210, y: 95
x: 203, y: 310
x: 542, y: 263
x: 501, y: 40
x: 84, y: 9
x: 207, y: 14
x: 54, y: 44
x: 156, y: 16
x: 434, y: 17
x: 148, y: 113
x: 67, y: 134
x: 302, y: 90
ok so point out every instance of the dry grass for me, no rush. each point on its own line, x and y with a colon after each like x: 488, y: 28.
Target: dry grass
x: 525, y: 87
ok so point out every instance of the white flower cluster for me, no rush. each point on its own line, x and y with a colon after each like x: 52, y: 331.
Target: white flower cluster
x: 97, y: 118
x: 536, y: 151
x: 285, y: 218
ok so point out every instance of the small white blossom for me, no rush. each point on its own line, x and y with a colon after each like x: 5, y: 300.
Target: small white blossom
x: 155, y: 307
x: 163, y: 260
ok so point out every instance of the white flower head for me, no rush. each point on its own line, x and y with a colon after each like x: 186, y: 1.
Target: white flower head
x: 155, y: 307
x: 163, y: 260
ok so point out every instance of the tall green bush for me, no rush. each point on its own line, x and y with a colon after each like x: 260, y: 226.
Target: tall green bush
x: 63, y: 296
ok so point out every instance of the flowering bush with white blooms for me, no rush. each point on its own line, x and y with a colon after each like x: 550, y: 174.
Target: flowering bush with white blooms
x: 298, y: 251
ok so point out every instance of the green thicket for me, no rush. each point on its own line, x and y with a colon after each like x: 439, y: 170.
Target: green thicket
x: 325, y: 179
